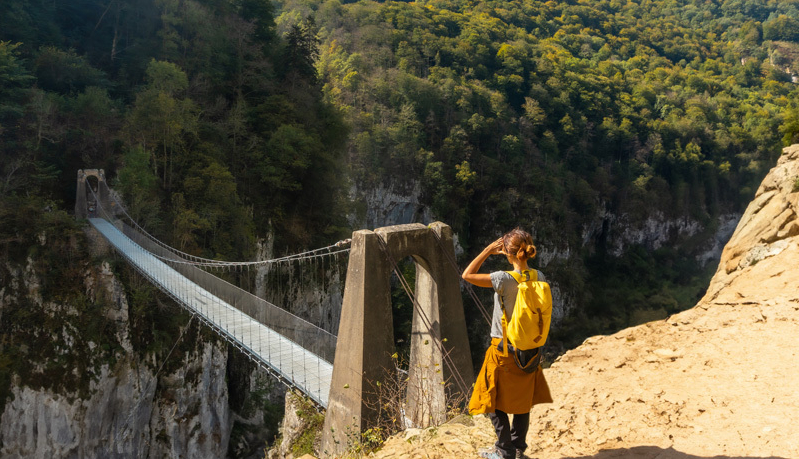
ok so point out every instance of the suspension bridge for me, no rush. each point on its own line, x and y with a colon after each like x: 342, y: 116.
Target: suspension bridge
x: 298, y: 352
x: 302, y: 354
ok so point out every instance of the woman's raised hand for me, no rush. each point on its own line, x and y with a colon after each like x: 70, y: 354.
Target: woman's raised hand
x: 496, y: 247
x: 471, y: 275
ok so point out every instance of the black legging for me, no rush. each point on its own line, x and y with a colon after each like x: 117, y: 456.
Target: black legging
x: 510, y: 437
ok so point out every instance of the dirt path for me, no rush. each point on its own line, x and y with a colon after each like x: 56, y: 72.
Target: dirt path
x: 706, y: 383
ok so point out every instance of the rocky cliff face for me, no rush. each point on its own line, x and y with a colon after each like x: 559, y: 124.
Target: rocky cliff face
x: 124, y: 416
x: 388, y: 204
x: 395, y: 203
x: 311, y: 289
x: 85, y: 390
x: 716, y: 380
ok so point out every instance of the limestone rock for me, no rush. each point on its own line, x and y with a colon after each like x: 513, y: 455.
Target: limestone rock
x: 760, y: 258
x: 294, y: 425
x: 121, y: 414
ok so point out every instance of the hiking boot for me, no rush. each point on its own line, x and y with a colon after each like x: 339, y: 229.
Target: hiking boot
x: 520, y: 454
x: 490, y: 453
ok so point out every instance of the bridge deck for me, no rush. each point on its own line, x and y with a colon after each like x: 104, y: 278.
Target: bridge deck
x: 298, y: 366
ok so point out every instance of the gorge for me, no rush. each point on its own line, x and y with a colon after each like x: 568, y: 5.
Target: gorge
x: 628, y: 136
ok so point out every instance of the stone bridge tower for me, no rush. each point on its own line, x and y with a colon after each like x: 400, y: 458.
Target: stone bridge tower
x: 83, y: 206
x: 366, y: 338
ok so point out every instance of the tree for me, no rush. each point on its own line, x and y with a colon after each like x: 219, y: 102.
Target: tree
x: 301, y: 52
x: 261, y: 14
x: 162, y: 117
x: 14, y: 82
x: 139, y: 186
x: 781, y: 28
x: 66, y: 72
x: 790, y: 127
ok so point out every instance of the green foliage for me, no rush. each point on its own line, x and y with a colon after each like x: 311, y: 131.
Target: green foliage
x: 261, y: 14
x: 790, y: 125
x: 178, y: 81
x: 795, y: 185
x: 546, y: 89
x: 371, y: 440
x: 57, y: 326
x: 139, y: 186
x: 215, y: 219
x: 782, y: 27
x: 312, y: 420
x: 14, y: 82
x: 162, y: 119
x: 166, y: 78
x: 173, y: 100
x: 66, y: 72
x: 14, y: 78
x: 361, y: 444
x: 552, y: 114
x: 301, y: 52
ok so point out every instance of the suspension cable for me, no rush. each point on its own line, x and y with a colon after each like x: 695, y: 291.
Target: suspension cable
x: 247, y: 264
x: 467, y: 285
x: 425, y: 320
x: 98, y: 205
x: 208, y: 262
x: 150, y: 236
x: 111, y: 219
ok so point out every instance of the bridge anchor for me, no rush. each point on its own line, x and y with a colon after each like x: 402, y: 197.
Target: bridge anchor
x: 366, y: 338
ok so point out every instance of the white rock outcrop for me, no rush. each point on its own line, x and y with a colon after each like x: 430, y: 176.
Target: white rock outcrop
x: 129, y: 411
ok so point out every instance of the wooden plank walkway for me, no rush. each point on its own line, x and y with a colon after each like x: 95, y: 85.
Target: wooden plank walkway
x: 299, y: 367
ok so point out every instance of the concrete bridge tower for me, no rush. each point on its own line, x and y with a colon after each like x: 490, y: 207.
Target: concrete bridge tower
x: 366, y: 338
x: 83, y: 206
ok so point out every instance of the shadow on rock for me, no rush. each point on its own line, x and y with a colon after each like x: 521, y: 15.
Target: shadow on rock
x: 653, y: 452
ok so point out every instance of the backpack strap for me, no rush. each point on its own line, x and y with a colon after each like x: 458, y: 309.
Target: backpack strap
x: 504, y: 327
x: 505, y: 318
x: 525, y: 276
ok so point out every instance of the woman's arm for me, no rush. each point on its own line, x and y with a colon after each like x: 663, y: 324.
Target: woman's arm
x: 471, y: 275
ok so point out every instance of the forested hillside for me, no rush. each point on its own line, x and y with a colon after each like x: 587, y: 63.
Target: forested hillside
x: 210, y: 124
x: 213, y: 128
x: 561, y: 116
x: 222, y: 121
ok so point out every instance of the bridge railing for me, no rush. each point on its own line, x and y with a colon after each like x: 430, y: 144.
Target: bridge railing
x: 302, y: 332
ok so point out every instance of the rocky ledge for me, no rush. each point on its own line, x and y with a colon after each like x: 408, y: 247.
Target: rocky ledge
x: 717, y: 380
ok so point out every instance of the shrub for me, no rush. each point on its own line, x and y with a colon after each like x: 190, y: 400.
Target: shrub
x: 313, y: 421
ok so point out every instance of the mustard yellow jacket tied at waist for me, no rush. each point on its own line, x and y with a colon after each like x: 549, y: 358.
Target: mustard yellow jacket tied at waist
x: 501, y: 385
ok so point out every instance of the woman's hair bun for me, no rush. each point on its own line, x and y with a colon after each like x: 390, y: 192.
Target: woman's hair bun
x: 520, y: 243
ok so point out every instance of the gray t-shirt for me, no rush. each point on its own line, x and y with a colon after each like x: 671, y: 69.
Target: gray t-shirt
x: 504, y: 284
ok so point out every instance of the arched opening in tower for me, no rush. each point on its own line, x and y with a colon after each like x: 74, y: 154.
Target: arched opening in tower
x: 92, y: 196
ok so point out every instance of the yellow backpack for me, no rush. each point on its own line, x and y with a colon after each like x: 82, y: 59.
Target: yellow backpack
x: 532, y: 313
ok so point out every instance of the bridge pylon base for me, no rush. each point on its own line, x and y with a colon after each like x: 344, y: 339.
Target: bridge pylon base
x: 366, y: 339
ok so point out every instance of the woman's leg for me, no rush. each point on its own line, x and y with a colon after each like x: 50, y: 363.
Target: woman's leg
x: 503, y: 428
x: 518, y: 431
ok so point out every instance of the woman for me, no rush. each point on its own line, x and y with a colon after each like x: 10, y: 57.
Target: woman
x: 502, y: 388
